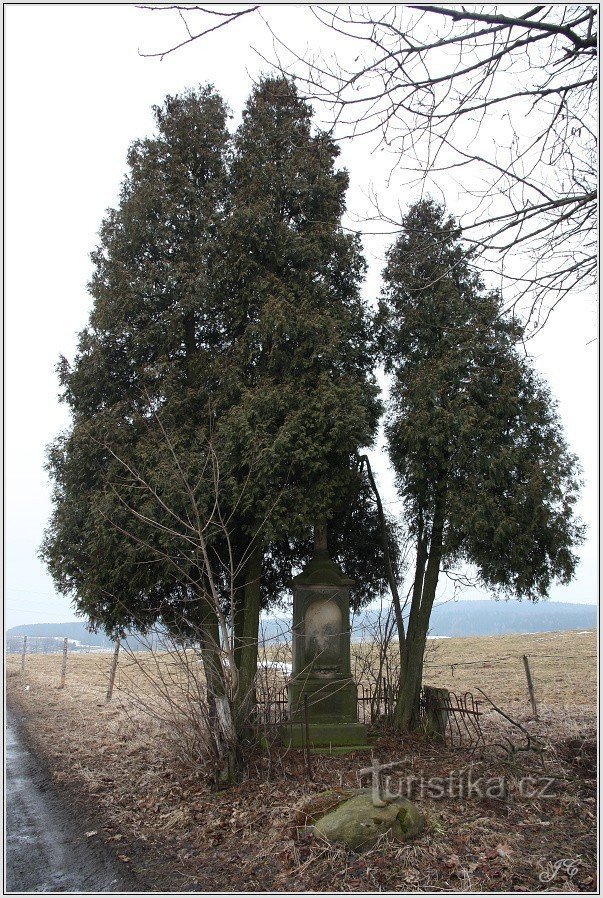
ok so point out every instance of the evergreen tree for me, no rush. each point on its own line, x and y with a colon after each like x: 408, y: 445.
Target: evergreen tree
x: 299, y: 396
x: 226, y: 306
x: 473, y: 435
x: 151, y: 344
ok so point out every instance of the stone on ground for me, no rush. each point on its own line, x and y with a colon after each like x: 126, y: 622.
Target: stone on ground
x: 357, y: 823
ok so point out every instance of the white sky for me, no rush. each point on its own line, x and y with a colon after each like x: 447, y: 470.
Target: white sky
x: 77, y: 94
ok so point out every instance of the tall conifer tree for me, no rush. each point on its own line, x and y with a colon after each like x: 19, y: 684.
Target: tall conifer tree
x: 474, y: 438
x: 151, y: 344
x: 300, y: 395
x: 226, y: 300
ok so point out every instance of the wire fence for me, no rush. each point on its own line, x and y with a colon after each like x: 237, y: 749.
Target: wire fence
x: 488, y: 662
x: 376, y: 693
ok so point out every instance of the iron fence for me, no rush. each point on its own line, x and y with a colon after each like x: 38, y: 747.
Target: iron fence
x: 455, y: 717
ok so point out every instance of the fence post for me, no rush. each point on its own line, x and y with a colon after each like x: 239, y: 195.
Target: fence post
x: 307, y: 737
x: 64, y: 664
x: 391, y: 705
x: 113, y: 671
x: 526, y: 665
x: 23, y: 653
x: 437, y: 701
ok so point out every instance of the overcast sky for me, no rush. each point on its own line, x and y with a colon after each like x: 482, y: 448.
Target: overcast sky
x: 77, y: 94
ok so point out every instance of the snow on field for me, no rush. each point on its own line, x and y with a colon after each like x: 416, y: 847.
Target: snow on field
x: 279, y: 666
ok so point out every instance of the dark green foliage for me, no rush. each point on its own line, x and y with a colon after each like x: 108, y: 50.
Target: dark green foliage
x: 154, y: 302
x: 302, y: 397
x: 151, y: 344
x: 227, y: 307
x: 480, y: 460
x: 354, y: 544
x: 469, y: 415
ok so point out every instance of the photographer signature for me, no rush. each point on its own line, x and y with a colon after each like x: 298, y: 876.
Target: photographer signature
x: 567, y: 865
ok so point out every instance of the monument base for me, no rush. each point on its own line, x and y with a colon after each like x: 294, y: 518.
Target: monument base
x: 332, y: 715
x: 326, y: 737
x: 328, y: 700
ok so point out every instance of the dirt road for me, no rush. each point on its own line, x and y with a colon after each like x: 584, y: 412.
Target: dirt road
x: 46, y: 846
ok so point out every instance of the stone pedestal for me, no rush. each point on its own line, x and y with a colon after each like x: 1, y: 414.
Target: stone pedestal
x: 321, y: 677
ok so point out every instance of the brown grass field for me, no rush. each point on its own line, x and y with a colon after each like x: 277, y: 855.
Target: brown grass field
x: 176, y: 834
x: 563, y: 667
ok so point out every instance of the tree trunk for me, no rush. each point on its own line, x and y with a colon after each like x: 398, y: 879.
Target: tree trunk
x: 248, y: 647
x: 209, y: 644
x: 190, y: 342
x: 239, y: 622
x: 406, y: 714
x: 427, y: 571
x: 220, y: 719
x: 389, y: 568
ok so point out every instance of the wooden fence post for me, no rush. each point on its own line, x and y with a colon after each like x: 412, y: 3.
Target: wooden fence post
x: 64, y: 664
x: 113, y: 671
x: 23, y: 653
x: 526, y: 665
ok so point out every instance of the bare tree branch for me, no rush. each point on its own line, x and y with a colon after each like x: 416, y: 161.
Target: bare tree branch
x: 497, y: 102
x: 226, y: 19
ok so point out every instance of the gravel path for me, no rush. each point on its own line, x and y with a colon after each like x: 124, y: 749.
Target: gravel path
x: 46, y: 846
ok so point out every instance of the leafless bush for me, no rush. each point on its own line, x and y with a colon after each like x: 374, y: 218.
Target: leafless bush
x: 166, y: 683
x: 198, y: 676
x: 376, y: 666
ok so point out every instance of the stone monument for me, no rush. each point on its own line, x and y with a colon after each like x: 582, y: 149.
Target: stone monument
x: 321, y: 679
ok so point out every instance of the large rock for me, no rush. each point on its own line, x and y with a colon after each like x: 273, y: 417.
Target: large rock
x: 357, y: 823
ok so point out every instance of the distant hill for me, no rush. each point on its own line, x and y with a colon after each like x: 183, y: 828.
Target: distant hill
x: 74, y: 630
x: 489, y: 618
x: 463, y: 618
x: 478, y: 618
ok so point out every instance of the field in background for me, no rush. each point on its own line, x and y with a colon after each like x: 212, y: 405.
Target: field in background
x: 169, y: 826
x: 563, y: 667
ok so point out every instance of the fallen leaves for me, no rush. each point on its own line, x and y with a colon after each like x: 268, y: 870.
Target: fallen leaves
x: 154, y: 808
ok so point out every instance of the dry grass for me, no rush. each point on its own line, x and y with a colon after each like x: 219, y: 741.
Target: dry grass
x: 180, y: 836
x: 563, y: 667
